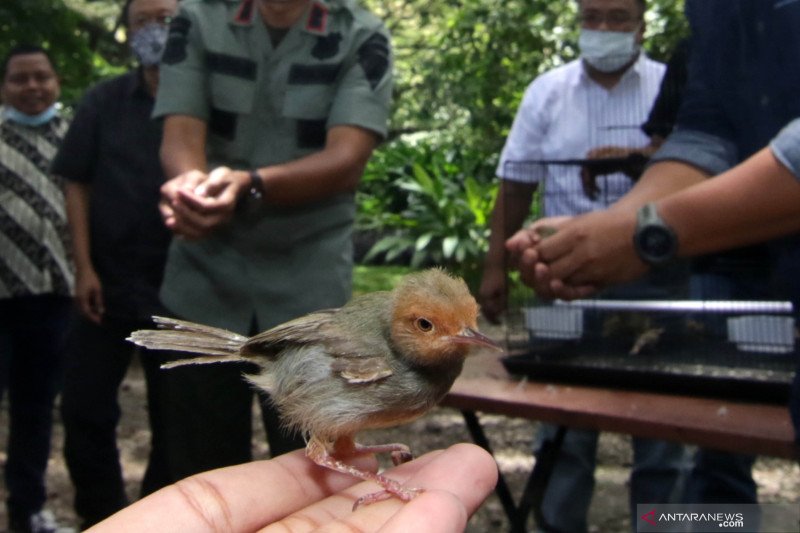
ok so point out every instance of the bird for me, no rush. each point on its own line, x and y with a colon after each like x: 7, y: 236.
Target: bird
x: 383, y: 359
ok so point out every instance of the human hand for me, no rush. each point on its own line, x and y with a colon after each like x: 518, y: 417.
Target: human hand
x: 170, y: 194
x: 591, y: 251
x: 493, y: 293
x: 89, y: 295
x: 290, y: 493
x: 194, y: 204
x: 527, y: 238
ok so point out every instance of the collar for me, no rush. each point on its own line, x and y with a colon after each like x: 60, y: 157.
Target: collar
x: 315, y: 20
x: 134, y: 83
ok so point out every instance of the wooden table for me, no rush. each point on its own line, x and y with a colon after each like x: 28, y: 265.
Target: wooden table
x: 485, y: 386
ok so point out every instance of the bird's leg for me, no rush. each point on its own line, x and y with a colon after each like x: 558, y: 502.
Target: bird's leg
x: 400, y: 453
x: 317, y: 451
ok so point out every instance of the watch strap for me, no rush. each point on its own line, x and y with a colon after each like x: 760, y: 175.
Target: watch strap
x: 256, y: 190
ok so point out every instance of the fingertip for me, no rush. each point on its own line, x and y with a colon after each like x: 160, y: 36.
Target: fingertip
x: 480, y: 460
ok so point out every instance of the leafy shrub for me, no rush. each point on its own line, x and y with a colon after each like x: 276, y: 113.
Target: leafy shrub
x: 431, y: 203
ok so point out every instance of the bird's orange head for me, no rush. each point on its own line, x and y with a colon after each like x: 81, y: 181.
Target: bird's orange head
x: 434, y: 318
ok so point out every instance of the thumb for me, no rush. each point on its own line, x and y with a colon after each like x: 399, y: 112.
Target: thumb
x: 218, y: 180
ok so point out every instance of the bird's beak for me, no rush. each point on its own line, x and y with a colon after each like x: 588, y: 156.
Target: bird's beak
x: 470, y: 336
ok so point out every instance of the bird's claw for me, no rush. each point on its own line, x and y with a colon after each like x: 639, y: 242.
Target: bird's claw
x: 401, y: 456
x: 405, y: 494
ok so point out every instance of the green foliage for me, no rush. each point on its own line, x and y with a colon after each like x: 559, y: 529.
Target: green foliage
x: 461, y: 69
x: 462, y: 65
x: 371, y: 278
x: 431, y: 201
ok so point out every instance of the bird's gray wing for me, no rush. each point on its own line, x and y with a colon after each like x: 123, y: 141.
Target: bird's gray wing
x: 355, y: 336
x: 299, y: 331
x: 361, y: 369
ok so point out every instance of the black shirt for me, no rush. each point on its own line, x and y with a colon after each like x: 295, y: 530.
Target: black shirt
x: 113, y: 144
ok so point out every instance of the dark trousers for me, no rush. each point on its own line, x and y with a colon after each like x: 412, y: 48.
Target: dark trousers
x: 31, y: 348
x: 98, y: 358
x: 721, y: 477
x: 208, y: 412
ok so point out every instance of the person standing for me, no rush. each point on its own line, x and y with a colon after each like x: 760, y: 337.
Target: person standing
x: 271, y: 110
x: 36, y: 277
x: 733, y: 105
x: 567, y: 113
x: 110, y: 160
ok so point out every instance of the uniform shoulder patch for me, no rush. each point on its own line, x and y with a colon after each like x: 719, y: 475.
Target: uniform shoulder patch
x: 373, y: 56
x: 175, y: 51
x: 245, y: 12
x: 317, y: 18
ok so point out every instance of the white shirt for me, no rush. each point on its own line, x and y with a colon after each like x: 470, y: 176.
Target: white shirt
x: 563, y: 115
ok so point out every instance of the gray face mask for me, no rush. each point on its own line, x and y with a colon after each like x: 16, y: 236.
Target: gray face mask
x: 148, y: 44
x: 608, y: 51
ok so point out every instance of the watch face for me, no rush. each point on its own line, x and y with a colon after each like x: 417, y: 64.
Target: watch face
x: 656, y: 242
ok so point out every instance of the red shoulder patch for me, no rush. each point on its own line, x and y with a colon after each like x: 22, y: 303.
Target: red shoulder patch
x: 245, y: 13
x: 317, y: 18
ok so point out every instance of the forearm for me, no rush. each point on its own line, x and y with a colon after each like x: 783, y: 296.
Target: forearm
x: 755, y: 201
x: 77, y: 204
x: 511, y: 208
x: 335, y: 169
x: 659, y: 180
x: 183, y: 147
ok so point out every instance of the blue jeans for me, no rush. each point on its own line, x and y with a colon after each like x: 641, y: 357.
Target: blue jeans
x: 31, y: 341
x: 658, y: 469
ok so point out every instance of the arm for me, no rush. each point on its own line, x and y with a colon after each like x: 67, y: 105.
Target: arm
x: 183, y: 147
x: 511, y: 208
x: 336, y: 169
x: 183, y: 156
x: 596, y: 249
x: 88, y: 288
x: 755, y: 201
x: 660, y: 179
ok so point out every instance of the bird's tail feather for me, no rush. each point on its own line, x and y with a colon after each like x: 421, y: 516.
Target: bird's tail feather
x: 215, y: 344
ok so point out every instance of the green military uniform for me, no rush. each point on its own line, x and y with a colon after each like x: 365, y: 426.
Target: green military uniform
x: 266, y: 105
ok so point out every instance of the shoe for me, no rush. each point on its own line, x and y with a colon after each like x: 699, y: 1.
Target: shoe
x: 41, y: 522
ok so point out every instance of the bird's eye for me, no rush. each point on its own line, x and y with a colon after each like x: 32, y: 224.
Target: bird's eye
x: 423, y: 324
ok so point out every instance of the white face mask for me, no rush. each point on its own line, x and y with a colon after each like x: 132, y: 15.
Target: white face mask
x: 608, y: 51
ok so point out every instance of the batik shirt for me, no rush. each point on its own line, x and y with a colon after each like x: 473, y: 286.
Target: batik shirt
x: 34, y: 249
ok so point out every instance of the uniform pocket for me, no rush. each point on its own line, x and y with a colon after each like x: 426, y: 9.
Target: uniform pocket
x: 309, y: 106
x: 308, y: 102
x: 231, y: 94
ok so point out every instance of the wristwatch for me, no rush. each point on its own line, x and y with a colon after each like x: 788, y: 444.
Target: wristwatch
x: 654, y: 240
x: 256, y: 190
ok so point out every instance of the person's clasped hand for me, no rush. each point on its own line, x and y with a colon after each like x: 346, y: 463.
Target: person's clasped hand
x: 194, y: 203
x: 587, y: 253
x: 292, y: 494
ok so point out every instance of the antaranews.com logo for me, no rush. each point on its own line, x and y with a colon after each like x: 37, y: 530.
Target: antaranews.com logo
x: 711, y: 518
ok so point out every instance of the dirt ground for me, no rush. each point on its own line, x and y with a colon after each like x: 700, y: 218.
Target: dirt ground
x: 778, y: 480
